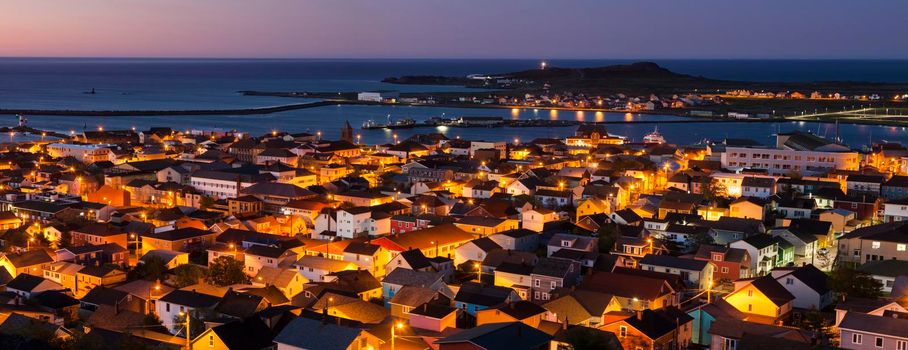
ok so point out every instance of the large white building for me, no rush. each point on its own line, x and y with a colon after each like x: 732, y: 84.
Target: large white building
x: 85, y: 153
x: 378, y: 96
x: 801, y: 152
x: 223, y: 184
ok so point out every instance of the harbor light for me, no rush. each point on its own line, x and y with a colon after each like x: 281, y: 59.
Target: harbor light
x: 542, y: 65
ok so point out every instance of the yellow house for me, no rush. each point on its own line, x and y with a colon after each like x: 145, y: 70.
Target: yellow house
x: 249, y: 334
x: 63, y: 273
x: 483, y: 226
x: 592, y: 206
x: 711, y: 213
x: 289, y: 281
x: 746, y: 208
x: 9, y: 220
x: 32, y: 262
x: 521, y: 311
x: 762, y: 297
x: 94, y: 276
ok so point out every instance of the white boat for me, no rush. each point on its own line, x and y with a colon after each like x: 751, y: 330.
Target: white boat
x: 654, y: 137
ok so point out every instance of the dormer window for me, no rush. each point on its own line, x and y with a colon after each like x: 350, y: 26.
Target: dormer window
x: 717, y: 257
x: 565, y: 243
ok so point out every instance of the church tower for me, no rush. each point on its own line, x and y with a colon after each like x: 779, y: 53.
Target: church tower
x: 347, y: 132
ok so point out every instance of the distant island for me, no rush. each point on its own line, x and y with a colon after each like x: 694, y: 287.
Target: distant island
x: 635, y: 78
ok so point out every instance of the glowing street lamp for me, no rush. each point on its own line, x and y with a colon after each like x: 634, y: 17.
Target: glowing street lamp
x: 397, y: 326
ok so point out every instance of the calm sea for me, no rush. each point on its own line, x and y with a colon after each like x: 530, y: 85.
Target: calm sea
x: 161, y: 84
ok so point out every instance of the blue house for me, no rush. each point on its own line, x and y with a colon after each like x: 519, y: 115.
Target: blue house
x: 895, y: 188
x: 706, y: 314
x: 400, y: 277
x: 473, y: 297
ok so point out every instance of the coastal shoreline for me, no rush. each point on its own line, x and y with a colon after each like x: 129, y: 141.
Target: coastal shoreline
x: 555, y: 122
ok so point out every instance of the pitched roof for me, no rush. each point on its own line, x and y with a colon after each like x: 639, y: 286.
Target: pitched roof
x: 277, y: 189
x: 29, y: 258
x: 673, y: 261
x: 178, y: 234
x: 239, y: 305
x: 520, y: 309
x: 477, y: 294
x: 250, y: 333
x: 626, y: 285
x: 657, y: 323
x: 306, y: 333
x: 513, y: 335
x: 772, y: 290
x: 25, y: 282
x: 191, y: 299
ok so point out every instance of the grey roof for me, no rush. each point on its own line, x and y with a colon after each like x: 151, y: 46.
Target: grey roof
x: 889, y: 268
x: 407, y: 277
x: 191, y: 299
x: 673, y: 261
x: 896, y: 327
x: 555, y: 267
x: 312, y: 334
x: 24, y: 282
x: 512, y: 336
x: 277, y: 189
x: 486, y: 244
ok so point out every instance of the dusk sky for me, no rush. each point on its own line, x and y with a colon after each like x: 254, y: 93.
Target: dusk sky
x: 455, y: 29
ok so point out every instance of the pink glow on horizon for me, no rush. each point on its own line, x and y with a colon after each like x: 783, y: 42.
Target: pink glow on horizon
x: 442, y: 28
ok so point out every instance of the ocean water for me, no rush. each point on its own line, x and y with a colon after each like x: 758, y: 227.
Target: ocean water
x: 169, y: 84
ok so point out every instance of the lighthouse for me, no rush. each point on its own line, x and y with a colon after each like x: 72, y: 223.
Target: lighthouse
x: 23, y: 122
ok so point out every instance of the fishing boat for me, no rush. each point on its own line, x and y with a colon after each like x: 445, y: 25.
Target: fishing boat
x: 654, y: 137
x: 405, y: 123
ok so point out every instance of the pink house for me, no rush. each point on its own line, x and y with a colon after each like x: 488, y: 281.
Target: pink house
x: 433, y: 317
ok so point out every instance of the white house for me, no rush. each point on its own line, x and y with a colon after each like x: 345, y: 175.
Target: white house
x: 694, y: 272
x: 353, y: 222
x: 763, y: 250
x: 895, y: 211
x: 179, y: 301
x: 535, y: 219
x: 475, y: 250
x: 808, y: 284
x: 314, y: 268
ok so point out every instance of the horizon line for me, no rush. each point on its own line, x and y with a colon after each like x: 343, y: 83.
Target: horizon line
x: 636, y: 59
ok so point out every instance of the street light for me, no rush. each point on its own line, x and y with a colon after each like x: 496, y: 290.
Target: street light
x: 709, y: 289
x: 478, y: 267
x: 136, y: 241
x: 187, y: 326
x: 398, y: 325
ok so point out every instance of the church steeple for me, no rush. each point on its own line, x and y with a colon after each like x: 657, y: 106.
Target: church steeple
x: 347, y: 132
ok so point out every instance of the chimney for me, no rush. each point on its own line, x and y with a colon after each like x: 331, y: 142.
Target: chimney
x: 639, y: 315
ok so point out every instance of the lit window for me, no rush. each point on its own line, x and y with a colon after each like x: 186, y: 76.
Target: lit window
x: 900, y: 247
x: 875, y: 245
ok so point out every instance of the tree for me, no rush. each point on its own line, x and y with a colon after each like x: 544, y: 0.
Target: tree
x: 584, y: 338
x: 188, y: 274
x: 701, y: 238
x: 814, y: 321
x: 206, y: 202
x: 88, y: 341
x: 225, y: 271
x: 712, y: 189
x: 607, y: 236
x: 152, y: 269
x: 850, y: 282
x: 196, y: 326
